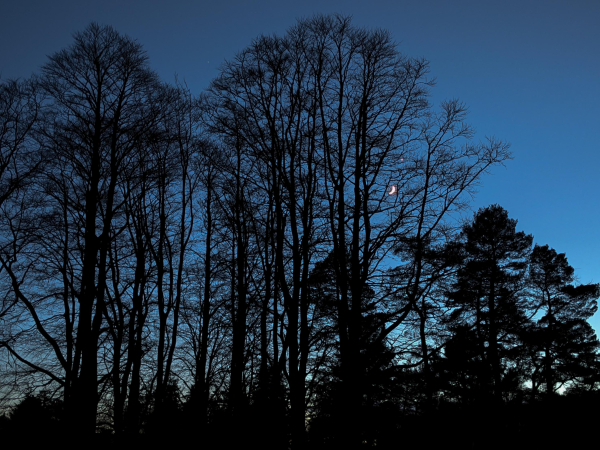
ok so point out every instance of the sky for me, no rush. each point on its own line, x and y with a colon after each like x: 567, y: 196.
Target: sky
x: 529, y: 71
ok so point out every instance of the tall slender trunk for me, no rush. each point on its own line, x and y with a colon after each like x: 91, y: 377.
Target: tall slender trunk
x: 549, y: 378
x: 493, y: 343
x: 425, y: 354
x: 239, y: 307
x: 85, y: 392
x: 202, y: 382
x: 163, y: 307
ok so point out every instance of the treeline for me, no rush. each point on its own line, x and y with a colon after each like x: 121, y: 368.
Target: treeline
x: 278, y: 260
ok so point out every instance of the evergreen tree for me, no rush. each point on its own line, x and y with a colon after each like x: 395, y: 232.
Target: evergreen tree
x: 487, y: 292
x: 563, y: 343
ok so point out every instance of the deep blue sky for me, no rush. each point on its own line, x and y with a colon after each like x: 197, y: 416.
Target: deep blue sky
x: 529, y: 71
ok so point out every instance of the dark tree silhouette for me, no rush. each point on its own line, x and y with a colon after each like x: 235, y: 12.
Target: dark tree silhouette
x: 488, y: 289
x: 99, y: 90
x: 562, y: 340
x: 276, y: 263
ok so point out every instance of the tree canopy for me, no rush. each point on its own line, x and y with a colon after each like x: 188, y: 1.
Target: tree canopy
x: 275, y: 261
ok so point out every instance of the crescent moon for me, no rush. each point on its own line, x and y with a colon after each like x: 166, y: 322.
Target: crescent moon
x: 393, y: 190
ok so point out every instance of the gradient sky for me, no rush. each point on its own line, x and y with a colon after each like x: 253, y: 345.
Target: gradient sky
x: 529, y: 71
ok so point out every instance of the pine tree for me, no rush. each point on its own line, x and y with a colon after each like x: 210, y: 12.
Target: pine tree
x: 488, y: 291
x: 562, y: 339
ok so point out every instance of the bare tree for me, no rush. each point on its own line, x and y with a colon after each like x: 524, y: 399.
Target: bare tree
x: 20, y: 160
x: 253, y: 268
x: 98, y: 92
